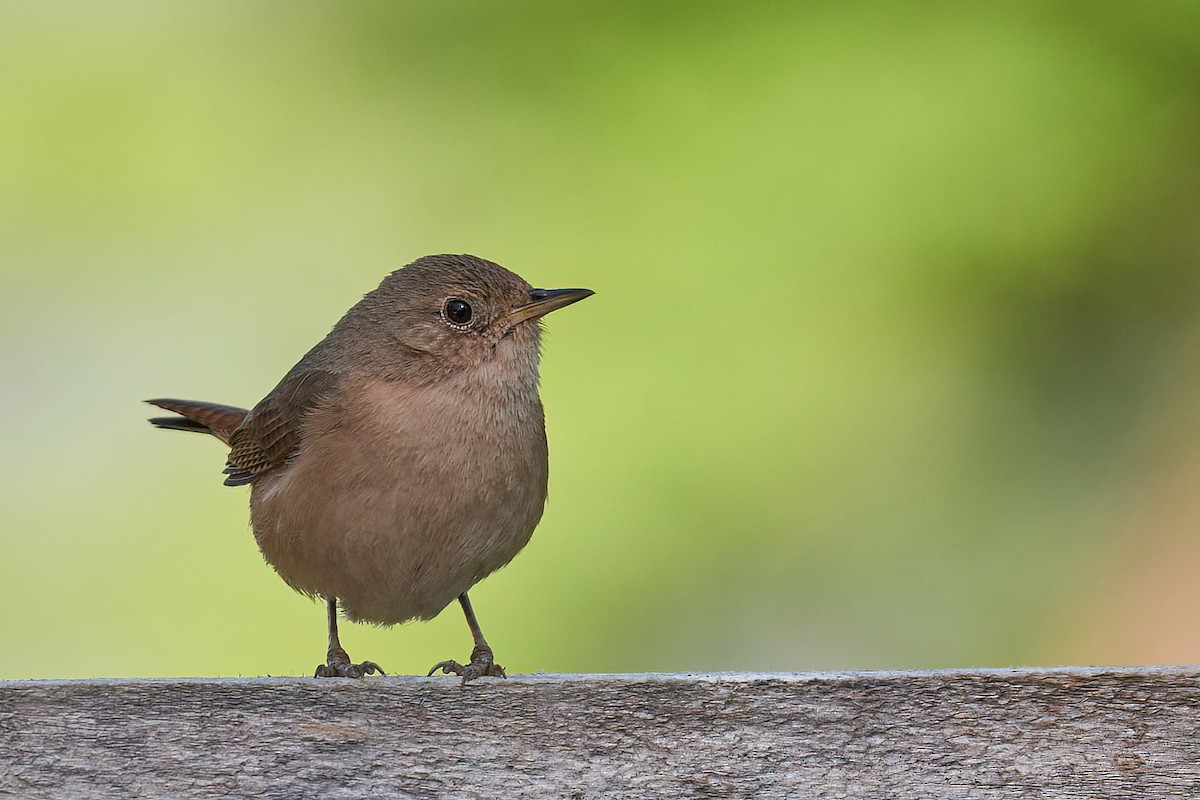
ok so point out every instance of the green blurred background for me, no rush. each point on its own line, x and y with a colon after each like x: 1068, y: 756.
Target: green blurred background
x: 892, y: 362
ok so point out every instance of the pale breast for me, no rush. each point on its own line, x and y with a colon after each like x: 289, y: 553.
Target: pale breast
x: 401, y: 498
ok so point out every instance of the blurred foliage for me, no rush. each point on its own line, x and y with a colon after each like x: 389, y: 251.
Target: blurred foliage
x: 891, y: 362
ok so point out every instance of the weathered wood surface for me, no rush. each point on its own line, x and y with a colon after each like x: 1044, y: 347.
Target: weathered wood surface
x: 1063, y: 733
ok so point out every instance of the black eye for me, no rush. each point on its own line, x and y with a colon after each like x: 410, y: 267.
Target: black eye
x: 457, y: 312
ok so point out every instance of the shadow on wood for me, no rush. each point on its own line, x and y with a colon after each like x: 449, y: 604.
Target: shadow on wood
x: 959, y: 734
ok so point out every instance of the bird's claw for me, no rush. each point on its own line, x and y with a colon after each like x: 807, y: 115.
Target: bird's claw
x: 344, y: 669
x: 482, y: 665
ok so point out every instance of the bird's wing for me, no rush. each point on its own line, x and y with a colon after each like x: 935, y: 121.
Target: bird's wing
x: 271, y: 433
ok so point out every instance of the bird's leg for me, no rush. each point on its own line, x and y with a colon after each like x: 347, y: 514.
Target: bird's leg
x: 337, y: 662
x: 482, y: 662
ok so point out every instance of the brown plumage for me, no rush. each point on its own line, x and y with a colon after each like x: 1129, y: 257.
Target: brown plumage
x: 403, y: 459
x: 220, y: 421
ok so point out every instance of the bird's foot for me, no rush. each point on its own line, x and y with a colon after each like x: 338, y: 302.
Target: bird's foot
x: 482, y: 664
x: 337, y: 665
x: 348, y: 670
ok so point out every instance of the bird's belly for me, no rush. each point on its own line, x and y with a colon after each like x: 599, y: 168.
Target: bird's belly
x: 397, y: 520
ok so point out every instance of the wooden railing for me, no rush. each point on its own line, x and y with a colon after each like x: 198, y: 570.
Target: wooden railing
x: 1055, y: 733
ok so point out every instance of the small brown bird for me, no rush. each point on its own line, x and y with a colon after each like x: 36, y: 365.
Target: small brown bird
x: 403, y: 460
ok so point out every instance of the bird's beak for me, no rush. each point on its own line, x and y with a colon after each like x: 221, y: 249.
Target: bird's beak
x: 545, y: 301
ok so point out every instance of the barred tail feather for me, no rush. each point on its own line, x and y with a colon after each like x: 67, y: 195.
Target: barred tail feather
x: 198, y: 417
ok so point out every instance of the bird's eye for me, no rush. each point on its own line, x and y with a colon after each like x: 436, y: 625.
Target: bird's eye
x: 457, y: 312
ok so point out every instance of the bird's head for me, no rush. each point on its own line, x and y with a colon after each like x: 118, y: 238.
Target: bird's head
x: 451, y: 312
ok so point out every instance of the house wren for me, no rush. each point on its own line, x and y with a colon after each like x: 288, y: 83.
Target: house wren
x: 404, y: 458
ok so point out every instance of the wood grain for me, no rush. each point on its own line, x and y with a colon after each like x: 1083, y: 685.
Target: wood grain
x: 1062, y: 733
